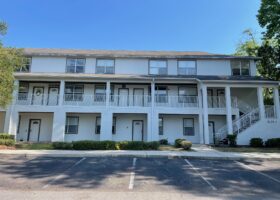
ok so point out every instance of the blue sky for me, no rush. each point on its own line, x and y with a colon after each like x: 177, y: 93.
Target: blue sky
x: 192, y: 25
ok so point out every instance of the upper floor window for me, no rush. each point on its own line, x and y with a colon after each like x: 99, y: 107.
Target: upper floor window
x: 26, y: 65
x: 23, y: 91
x: 187, y: 67
x: 240, y: 67
x: 105, y: 66
x: 74, y: 92
x: 75, y: 65
x: 158, y: 67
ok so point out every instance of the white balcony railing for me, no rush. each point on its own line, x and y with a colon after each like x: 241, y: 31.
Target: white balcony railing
x: 84, y: 100
x: 187, y: 71
x: 33, y: 99
x: 130, y: 100
x: 220, y: 102
x: 176, y: 101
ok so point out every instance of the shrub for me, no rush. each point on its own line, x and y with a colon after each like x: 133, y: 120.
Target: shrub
x: 186, y: 145
x: 273, y: 142
x: 232, y: 140
x: 6, y: 136
x: 256, y: 142
x: 62, y: 145
x: 131, y: 145
x: 151, y: 145
x: 163, y: 141
x: 7, y: 142
x: 94, y: 145
x: 178, y: 142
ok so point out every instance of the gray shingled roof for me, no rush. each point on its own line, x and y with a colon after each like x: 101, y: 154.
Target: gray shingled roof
x: 129, y: 54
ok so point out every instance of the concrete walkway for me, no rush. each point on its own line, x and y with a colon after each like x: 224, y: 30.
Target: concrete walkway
x: 202, y: 152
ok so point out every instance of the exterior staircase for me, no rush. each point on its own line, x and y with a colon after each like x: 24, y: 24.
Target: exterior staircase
x: 245, y: 121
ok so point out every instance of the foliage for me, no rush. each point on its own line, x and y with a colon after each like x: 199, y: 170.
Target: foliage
x: 10, y: 60
x: 112, y: 145
x: 256, y: 142
x: 34, y: 146
x: 163, y: 142
x: 7, y: 142
x: 269, y: 18
x: 273, y: 142
x: 232, y: 140
x: 248, y: 46
x: 62, y: 145
x: 6, y: 136
x: 178, y: 142
x: 186, y: 145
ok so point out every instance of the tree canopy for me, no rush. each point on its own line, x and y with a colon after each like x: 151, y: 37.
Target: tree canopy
x: 10, y: 60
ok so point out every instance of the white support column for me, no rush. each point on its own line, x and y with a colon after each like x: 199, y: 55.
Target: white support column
x: 58, y: 130
x: 108, y: 93
x: 261, y: 102
x: 229, y: 111
x: 61, y: 92
x: 200, y: 115
x: 152, y: 126
x: 106, y: 125
x: 13, y: 122
x: 276, y: 101
x: 205, y: 114
x: 153, y: 95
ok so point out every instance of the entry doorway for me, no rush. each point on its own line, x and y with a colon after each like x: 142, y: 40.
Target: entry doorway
x: 138, y: 97
x: 38, y: 96
x: 137, y: 130
x: 211, y: 127
x: 123, y: 97
x: 53, y: 96
x: 34, y: 130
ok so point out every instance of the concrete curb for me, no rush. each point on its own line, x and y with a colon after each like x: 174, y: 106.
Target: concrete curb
x: 138, y: 155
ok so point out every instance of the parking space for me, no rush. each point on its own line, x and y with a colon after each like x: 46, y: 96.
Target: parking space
x: 206, y: 178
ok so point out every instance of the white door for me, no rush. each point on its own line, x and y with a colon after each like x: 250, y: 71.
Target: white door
x: 211, y: 132
x: 123, y: 97
x: 34, y: 130
x: 138, y: 97
x: 137, y: 130
x: 38, y: 96
x: 53, y: 96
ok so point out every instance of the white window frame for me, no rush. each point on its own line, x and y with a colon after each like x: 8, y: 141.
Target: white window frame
x: 160, y: 125
x: 184, y: 126
x: 76, y: 65
x: 187, y: 70
x: 240, y: 67
x: 26, y: 65
x: 158, y: 68
x: 67, y: 125
x: 105, y: 69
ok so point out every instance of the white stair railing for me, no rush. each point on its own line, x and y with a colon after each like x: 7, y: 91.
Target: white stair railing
x: 239, y: 125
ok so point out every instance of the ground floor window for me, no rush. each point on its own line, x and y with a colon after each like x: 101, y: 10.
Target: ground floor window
x: 160, y: 126
x: 98, y: 125
x: 188, y: 126
x: 72, y: 124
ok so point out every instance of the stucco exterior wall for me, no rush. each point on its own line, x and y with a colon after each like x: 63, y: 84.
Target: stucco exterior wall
x: 131, y: 66
x: 213, y: 67
x: 86, y: 129
x: 45, y: 130
x: 173, y: 128
x: 48, y: 64
x: 124, y: 126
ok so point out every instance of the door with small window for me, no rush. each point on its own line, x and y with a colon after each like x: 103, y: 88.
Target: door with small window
x: 53, y: 96
x: 38, y: 96
x: 34, y: 130
x: 137, y: 130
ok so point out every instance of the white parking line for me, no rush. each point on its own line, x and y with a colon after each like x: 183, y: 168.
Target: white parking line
x: 204, y: 178
x: 251, y: 168
x: 132, y: 175
x: 62, y: 174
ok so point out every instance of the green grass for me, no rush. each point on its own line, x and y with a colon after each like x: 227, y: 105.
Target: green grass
x: 248, y: 149
x: 34, y: 146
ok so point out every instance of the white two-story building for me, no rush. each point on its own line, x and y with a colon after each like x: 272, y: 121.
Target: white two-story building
x: 70, y: 95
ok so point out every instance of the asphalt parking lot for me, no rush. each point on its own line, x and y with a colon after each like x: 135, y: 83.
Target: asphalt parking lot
x: 195, y: 177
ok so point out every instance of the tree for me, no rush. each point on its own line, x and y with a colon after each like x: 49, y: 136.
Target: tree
x: 10, y: 60
x: 248, y: 46
x: 269, y: 18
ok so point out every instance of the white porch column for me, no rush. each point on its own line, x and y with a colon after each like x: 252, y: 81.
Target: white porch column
x: 200, y: 115
x: 108, y: 93
x: 276, y: 101
x: 152, y: 127
x: 228, y: 108
x: 106, y: 125
x: 58, y: 130
x: 13, y: 122
x: 153, y: 95
x: 61, y: 92
x: 260, y: 102
x: 205, y: 114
